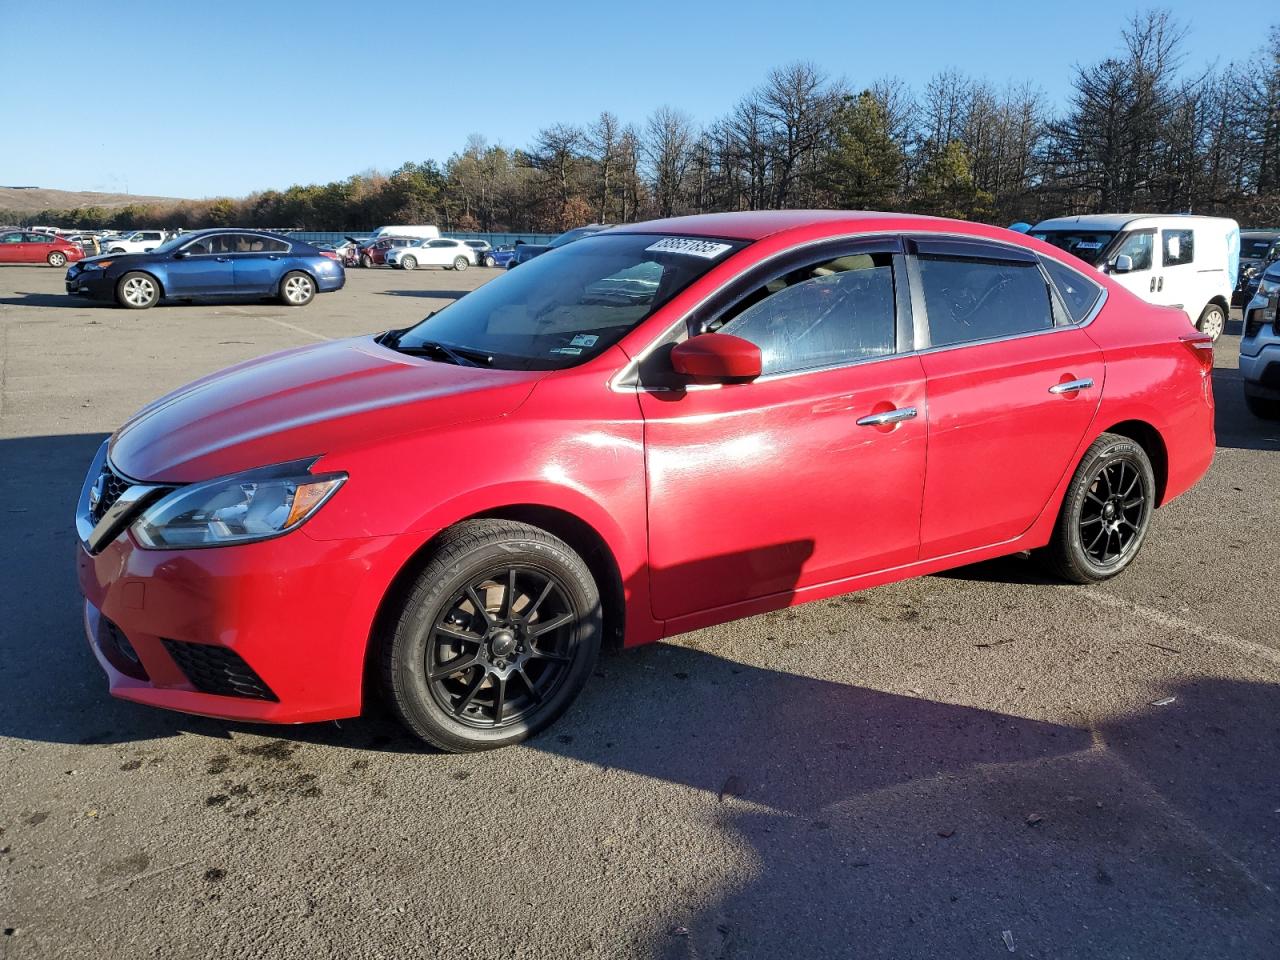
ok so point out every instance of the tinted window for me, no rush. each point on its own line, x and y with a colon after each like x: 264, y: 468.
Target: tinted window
x: 441, y: 243
x: 822, y: 315
x: 1077, y: 291
x: 11, y: 238
x: 982, y: 299
x: 1179, y: 247
x: 1138, y: 247
x: 252, y: 243
x: 40, y: 238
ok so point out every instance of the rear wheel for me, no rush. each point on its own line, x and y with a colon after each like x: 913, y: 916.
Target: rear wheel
x: 409, y: 263
x: 1263, y: 408
x: 57, y: 259
x: 297, y: 289
x: 1106, y: 512
x: 461, y: 263
x: 137, y: 291
x: 1212, y: 321
x: 494, y: 639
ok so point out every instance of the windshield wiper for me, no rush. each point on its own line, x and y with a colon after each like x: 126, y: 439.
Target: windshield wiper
x: 460, y: 356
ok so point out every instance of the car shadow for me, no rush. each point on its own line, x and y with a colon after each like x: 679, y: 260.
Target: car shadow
x: 1233, y: 424
x: 428, y: 294
x: 66, y: 301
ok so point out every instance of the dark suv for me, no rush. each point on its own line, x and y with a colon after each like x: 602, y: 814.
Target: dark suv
x: 1258, y: 250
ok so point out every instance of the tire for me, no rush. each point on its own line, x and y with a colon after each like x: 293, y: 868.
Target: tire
x: 138, y: 291
x: 409, y: 263
x: 366, y: 260
x: 1113, y: 491
x: 1262, y: 407
x: 1212, y: 321
x: 57, y: 259
x: 461, y: 263
x: 297, y: 289
x: 490, y: 262
x: 439, y: 622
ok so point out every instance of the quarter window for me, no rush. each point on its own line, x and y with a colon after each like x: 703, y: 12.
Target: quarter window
x: 970, y: 300
x: 1077, y: 291
x: 821, y: 315
x: 1179, y: 247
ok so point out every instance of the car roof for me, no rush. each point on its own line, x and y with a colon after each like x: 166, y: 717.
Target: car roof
x: 1115, y: 222
x: 758, y: 224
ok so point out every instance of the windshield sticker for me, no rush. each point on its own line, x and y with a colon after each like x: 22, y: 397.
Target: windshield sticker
x: 583, y: 340
x: 1088, y: 245
x: 574, y: 351
x: 707, y: 249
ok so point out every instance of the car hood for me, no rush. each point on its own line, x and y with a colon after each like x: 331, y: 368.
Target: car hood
x: 306, y: 402
x: 117, y: 258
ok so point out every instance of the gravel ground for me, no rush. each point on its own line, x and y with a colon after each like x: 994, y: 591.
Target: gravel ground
x: 963, y: 765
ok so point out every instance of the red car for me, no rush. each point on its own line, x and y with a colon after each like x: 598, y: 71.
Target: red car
x: 657, y: 428
x: 23, y: 246
x: 374, y: 253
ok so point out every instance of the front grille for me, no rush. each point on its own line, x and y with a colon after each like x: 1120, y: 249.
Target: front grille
x: 112, y: 485
x: 219, y: 670
x: 115, y: 646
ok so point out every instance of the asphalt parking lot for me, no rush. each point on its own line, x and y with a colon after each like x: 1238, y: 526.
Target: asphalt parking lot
x: 962, y: 765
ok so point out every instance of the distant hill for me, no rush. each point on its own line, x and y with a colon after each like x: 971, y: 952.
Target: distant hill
x: 30, y: 201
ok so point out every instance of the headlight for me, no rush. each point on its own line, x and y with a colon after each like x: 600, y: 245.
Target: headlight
x: 255, y: 505
x: 1268, y: 286
x: 98, y: 264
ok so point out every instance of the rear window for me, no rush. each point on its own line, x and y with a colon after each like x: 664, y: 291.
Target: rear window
x: 1077, y: 291
x: 969, y: 300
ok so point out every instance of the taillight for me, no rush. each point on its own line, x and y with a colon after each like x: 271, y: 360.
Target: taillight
x: 1201, y: 346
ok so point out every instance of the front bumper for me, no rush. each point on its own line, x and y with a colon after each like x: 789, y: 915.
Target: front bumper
x: 275, y: 631
x: 90, y: 283
x: 1260, y: 363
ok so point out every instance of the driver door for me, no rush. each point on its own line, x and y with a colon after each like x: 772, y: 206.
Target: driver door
x: 758, y: 490
x: 204, y: 270
x: 1143, y: 279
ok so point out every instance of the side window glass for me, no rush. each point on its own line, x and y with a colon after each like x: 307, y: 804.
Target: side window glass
x: 1077, y: 291
x: 1178, y: 247
x: 272, y: 245
x: 822, y: 315
x: 198, y: 247
x: 1138, y: 247
x: 970, y: 300
x: 11, y: 238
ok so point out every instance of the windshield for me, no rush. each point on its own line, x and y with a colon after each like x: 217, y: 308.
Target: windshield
x: 568, y: 305
x: 1088, y: 245
x: 571, y: 235
x: 1255, y: 248
x: 173, y: 243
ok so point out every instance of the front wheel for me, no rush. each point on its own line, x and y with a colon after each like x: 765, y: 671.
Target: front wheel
x: 137, y: 291
x: 1213, y: 321
x: 297, y: 289
x: 57, y: 259
x: 494, y: 639
x: 1106, y: 512
x: 366, y: 261
x: 409, y: 263
x: 461, y: 263
x: 490, y: 261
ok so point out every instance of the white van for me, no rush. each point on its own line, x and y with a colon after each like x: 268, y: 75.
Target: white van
x: 420, y: 232
x: 1175, y: 261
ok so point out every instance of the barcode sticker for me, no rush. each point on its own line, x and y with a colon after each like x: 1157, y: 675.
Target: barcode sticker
x: 707, y: 249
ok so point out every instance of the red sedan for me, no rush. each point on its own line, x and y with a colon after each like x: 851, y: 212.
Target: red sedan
x: 24, y: 246
x: 661, y: 427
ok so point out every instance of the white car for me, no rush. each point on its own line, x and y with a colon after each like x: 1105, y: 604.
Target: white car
x: 139, y: 241
x: 450, y: 254
x: 1185, y: 262
x: 484, y: 252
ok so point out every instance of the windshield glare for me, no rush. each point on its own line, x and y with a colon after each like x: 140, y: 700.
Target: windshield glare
x: 1088, y: 245
x: 570, y: 304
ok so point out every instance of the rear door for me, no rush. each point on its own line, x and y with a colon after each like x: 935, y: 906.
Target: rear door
x: 259, y: 263
x: 1013, y: 385
x: 759, y: 489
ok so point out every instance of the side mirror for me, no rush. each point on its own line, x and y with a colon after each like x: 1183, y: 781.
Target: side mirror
x: 717, y: 358
x: 181, y: 255
x: 1122, y: 264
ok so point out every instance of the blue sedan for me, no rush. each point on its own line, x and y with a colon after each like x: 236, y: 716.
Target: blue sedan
x: 210, y: 264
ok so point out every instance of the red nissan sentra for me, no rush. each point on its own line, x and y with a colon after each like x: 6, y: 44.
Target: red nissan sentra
x: 660, y: 427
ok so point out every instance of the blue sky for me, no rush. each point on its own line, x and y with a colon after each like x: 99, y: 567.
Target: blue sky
x: 208, y: 99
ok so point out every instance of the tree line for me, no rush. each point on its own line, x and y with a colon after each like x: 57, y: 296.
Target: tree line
x: 1138, y: 132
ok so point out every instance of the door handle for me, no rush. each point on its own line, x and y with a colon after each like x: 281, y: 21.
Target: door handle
x: 888, y: 417
x: 1160, y: 285
x: 224, y: 259
x: 1152, y: 287
x: 272, y: 256
x: 1071, y: 386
